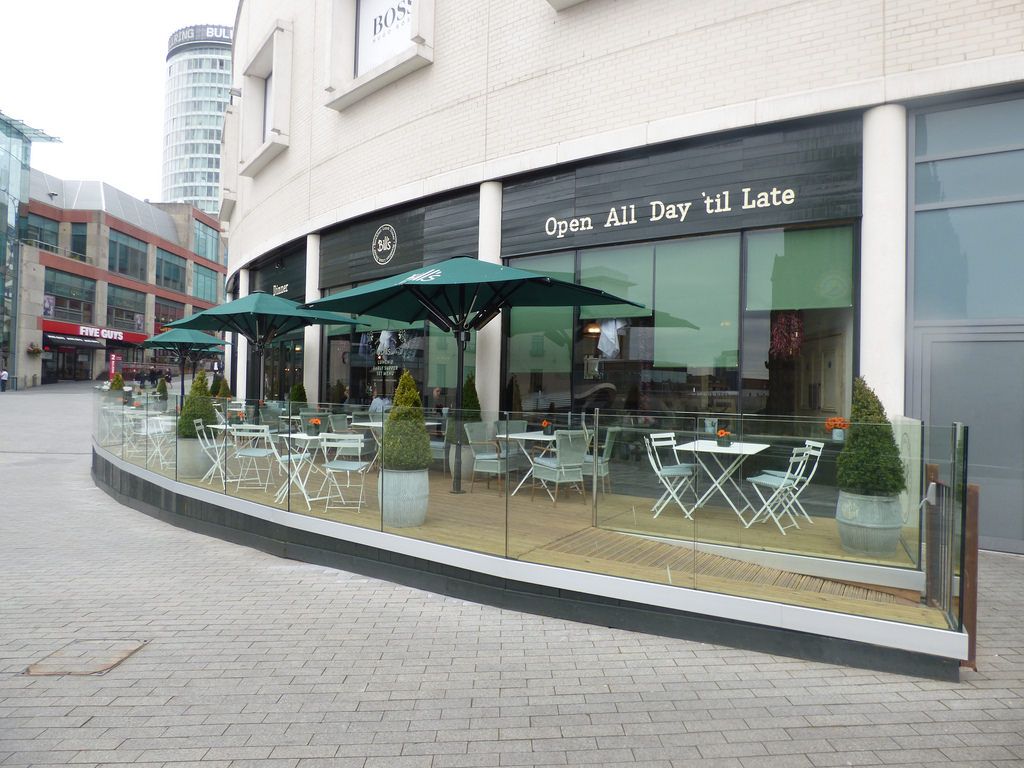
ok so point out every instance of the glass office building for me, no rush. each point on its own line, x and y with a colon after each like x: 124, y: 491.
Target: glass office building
x: 15, y: 152
x: 198, y: 85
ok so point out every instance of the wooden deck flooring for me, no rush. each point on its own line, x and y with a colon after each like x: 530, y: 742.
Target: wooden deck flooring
x: 616, y: 541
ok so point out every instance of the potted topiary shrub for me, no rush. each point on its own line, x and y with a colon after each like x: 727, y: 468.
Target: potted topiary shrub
x: 403, y: 485
x: 870, y: 476
x: 192, y: 460
x: 470, y: 412
x: 161, y: 394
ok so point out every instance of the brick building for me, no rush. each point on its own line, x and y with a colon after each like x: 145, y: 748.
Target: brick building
x: 101, y: 271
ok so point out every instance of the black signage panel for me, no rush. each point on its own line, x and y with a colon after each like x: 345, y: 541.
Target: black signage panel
x: 800, y: 172
x: 403, y: 239
x: 282, y: 273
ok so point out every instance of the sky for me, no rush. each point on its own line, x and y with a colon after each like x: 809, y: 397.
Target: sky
x: 92, y: 73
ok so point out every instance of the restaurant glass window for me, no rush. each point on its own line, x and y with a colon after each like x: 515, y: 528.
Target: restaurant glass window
x: 614, y: 341
x: 540, y: 345
x: 68, y: 297
x: 41, y: 232
x: 798, y: 321
x: 126, y: 309
x: 170, y: 271
x: 127, y: 255
x: 79, y: 240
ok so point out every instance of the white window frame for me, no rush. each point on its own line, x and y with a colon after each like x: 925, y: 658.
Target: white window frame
x: 265, y: 127
x: 343, y: 88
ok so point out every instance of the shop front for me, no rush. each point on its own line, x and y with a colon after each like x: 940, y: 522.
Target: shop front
x: 369, y: 360
x: 743, y: 250
x: 75, y: 352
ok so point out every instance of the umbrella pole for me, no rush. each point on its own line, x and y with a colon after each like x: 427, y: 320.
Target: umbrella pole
x: 461, y: 339
x: 181, y: 382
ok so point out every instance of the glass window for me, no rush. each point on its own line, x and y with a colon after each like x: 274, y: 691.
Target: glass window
x: 970, y: 129
x: 126, y: 308
x: 800, y: 269
x: 625, y: 272
x: 68, y: 297
x: 970, y: 179
x: 71, y: 286
x: 207, y: 241
x: 170, y: 271
x: 696, y: 319
x: 166, y: 311
x: 798, y: 322
x: 127, y: 255
x: 41, y: 232
x: 79, y: 239
x: 204, y: 283
x: 969, y: 263
x: 540, y: 342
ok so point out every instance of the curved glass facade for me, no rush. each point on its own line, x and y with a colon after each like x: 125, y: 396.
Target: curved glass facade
x: 197, y: 92
x: 15, y: 150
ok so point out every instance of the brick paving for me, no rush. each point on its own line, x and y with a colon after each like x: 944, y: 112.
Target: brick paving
x: 251, y: 660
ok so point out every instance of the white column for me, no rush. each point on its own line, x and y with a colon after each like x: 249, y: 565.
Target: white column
x: 311, y: 344
x: 883, y: 269
x: 488, y: 339
x: 241, y: 344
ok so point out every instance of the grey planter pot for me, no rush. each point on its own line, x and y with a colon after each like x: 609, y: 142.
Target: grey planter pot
x: 192, y: 460
x: 404, y: 496
x: 869, y: 525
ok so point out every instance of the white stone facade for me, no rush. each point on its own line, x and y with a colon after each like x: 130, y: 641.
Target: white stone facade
x: 521, y: 86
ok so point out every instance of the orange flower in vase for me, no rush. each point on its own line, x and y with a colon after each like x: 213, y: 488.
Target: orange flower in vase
x: 314, y: 426
x: 547, y: 426
x: 836, y: 426
x: 724, y: 437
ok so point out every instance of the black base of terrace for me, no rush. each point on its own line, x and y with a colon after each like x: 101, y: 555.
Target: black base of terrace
x: 282, y: 541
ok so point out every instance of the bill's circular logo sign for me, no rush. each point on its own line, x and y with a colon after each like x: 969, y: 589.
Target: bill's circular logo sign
x: 385, y: 244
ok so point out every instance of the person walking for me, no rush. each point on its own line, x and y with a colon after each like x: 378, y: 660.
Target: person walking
x: 4, y: 376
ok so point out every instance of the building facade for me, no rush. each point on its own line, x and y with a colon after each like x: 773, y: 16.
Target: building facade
x: 197, y: 91
x: 15, y: 161
x: 797, y: 195
x: 102, y: 271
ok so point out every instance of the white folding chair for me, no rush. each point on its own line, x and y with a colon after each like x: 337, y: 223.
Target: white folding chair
x: 813, y: 449
x: 677, y: 478
x: 291, y: 463
x: 343, y: 455
x: 213, y: 449
x: 252, y: 448
x: 778, y: 493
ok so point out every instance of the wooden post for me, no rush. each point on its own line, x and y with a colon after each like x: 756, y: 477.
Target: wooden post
x: 969, y: 577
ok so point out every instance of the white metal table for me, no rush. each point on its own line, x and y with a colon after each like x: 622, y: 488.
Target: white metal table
x: 721, y: 462
x: 522, y: 438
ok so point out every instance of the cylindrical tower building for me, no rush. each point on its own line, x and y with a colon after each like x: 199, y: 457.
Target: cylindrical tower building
x: 198, y: 85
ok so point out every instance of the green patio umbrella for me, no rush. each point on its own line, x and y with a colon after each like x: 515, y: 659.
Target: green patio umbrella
x: 261, y: 318
x: 188, y: 346
x: 458, y: 296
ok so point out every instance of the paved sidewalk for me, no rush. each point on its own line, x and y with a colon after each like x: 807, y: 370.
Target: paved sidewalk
x: 256, y: 661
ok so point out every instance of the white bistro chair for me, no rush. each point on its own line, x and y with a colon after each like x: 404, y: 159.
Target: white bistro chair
x: 214, y: 449
x: 778, y: 493
x: 677, y: 477
x: 254, y: 453
x: 343, y: 455
x: 813, y: 450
